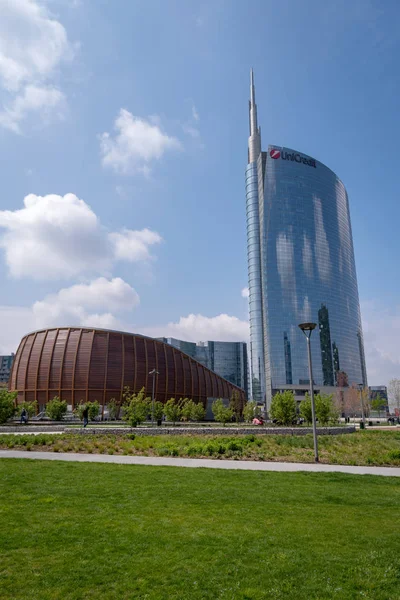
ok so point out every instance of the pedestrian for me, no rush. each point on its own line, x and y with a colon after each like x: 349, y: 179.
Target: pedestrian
x: 24, y: 415
x: 85, y: 415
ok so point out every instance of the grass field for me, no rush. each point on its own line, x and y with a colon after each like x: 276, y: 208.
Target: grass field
x: 361, y: 448
x: 71, y: 531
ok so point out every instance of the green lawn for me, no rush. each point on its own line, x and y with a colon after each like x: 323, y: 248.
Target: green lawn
x: 71, y: 531
x: 361, y: 448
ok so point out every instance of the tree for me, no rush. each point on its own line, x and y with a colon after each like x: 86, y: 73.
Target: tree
x: 324, y: 410
x: 7, y: 405
x: 136, y: 407
x: 222, y: 413
x: 173, y: 410
x: 198, y: 411
x: 305, y: 409
x: 236, y: 404
x: 351, y: 401
x: 283, y: 408
x: 394, y: 394
x: 56, y: 409
x: 113, y: 409
x: 378, y: 404
x: 186, y: 409
x: 30, y: 408
x: 158, y: 410
x: 251, y: 410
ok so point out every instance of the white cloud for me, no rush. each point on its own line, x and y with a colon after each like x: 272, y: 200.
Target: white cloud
x: 136, y: 144
x: 75, y: 305
x: 48, y: 100
x: 32, y: 47
x: 60, y: 237
x: 133, y: 246
x: 245, y: 292
x: 91, y: 304
x: 381, y: 327
x: 195, y: 114
x: 193, y: 328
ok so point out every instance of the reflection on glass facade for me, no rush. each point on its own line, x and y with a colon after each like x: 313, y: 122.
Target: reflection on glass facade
x: 301, y: 268
x: 227, y: 359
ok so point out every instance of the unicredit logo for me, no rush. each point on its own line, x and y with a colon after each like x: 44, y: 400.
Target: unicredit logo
x: 293, y: 156
x: 275, y: 154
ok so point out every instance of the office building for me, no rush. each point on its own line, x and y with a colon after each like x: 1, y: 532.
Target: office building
x: 5, y: 367
x: 301, y: 268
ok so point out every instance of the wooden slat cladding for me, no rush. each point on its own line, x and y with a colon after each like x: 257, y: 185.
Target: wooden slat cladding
x: 95, y: 364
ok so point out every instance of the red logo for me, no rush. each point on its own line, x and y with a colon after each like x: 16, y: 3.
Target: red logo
x: 274, y: 153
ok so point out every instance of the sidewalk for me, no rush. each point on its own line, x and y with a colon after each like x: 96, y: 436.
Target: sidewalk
x: 244, y: 465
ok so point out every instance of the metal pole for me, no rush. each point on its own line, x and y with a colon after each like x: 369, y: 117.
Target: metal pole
x: 362, y: 406
x: 312, y: 398
x: 152, y: 398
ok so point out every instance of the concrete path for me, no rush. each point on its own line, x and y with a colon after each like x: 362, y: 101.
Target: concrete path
x: 246, y: 465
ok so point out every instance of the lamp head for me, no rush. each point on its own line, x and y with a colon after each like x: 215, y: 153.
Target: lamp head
x: 307, y: 327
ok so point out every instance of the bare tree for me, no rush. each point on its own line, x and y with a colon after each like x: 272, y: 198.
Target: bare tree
x: 394, y: 393
x: 351, y: 401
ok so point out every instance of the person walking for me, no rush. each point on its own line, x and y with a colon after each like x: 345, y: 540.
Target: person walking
x: 24, y: 416
x: 85, y: 416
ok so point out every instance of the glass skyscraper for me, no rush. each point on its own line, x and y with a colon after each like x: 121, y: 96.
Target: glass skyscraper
x: 301, y: 268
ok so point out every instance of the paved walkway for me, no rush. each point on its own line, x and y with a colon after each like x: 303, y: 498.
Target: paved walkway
x: 246, y: 465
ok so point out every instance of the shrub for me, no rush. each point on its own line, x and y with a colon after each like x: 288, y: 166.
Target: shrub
x: 283, y: 408
x: 7, y: 405
x: 56, y: 409
x: 222, y: 413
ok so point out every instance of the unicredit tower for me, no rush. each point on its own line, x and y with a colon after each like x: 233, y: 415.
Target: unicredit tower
x: 301, y: 269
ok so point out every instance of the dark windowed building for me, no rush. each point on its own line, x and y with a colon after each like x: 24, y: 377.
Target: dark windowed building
x: 301, y: 268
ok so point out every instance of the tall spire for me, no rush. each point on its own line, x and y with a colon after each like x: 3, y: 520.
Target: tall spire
x: 255, y: 133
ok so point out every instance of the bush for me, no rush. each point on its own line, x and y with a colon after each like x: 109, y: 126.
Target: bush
x: 7, y: 405
x: 283, y: 408
x: 56, y: 409
x: 173, y: 410
x: 136, y: 408
x: 222, y: 413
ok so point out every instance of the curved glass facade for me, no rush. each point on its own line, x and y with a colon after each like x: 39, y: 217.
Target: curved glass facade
x: 301, y: 269
x: 308, y: 274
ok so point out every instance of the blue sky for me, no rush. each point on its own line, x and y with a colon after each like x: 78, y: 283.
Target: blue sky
x: 138, y: 110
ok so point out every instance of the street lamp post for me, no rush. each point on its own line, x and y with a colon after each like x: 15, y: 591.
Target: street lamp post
x: 361, y: 388
x: 307, y: 329
x: 154, y: 372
